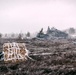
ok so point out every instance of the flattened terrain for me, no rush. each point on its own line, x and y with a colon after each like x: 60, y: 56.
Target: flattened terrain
x: 51, y: 57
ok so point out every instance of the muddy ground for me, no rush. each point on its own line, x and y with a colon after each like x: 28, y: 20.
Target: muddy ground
x: 51, y: 57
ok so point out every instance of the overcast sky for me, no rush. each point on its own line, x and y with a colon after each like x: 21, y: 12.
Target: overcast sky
x: 32, y: 15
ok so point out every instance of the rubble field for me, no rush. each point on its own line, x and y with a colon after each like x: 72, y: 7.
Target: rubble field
x: 49, y: 57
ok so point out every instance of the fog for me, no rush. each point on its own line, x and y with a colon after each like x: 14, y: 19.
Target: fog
x: 32, y: 15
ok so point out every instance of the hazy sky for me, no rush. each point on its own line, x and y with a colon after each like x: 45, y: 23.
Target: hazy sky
x: 32, y: 15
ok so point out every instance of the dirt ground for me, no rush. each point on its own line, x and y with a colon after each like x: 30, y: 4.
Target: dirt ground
x: 50, y: 57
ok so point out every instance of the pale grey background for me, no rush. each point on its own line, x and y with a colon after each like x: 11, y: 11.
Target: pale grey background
x: 32, y: 15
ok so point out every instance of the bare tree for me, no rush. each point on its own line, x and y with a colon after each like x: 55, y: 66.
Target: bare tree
x: 0, y: 35
x: 13, y: 35
x: 20, y: 36
x: 28, y: 34
x: 71, y: 30
x: 48, y: 29
x: 40, y: 34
